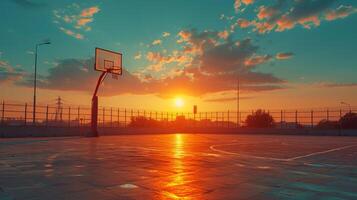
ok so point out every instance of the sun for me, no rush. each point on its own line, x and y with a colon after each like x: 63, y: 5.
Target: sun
x: 179, y: 102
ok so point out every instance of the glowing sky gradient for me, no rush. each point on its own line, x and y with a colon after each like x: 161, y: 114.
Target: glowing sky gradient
x: 287, y: 53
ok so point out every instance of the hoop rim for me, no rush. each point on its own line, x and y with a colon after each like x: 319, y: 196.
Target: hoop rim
x: 120, y: 69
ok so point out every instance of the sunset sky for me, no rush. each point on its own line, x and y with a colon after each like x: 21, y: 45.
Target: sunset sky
x: 287, y: 53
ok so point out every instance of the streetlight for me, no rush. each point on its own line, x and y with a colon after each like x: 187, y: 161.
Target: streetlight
x: 347, y: 104
x: 35, y: 80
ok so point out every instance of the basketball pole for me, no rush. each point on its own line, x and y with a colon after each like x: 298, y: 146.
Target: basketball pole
x: 94, y: 111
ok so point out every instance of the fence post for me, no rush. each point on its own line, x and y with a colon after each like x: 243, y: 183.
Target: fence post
x: 79, y: 116
x: 69, y: 116
x: 131, y: 115
x: 240, y: 117
x: 228, y: 118
x: 103, y: 117
x: 312, y: 119
x: 296, y: 119
x: 118, y: 118
x: 125, y: 116
x: 167, y: 118
x: 46, y: 115
x: 25, y: 122
x: 328, y: 115
x: 3, y: 112
x: 340, y: 113
x: 281, y: 118
x: 155, y: 115
x: 111, y: 117
x: 217, y: 119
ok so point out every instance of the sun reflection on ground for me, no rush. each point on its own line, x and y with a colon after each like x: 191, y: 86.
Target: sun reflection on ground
x: 178, y: 187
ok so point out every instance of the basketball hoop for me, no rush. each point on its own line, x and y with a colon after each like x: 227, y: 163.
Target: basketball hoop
x: 115, y: 76
x: 106, y: 61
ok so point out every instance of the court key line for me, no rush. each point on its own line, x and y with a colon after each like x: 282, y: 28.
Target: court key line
x: 214, y: 148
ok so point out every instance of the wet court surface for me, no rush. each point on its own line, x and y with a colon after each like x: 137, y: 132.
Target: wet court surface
x: 179, y: 166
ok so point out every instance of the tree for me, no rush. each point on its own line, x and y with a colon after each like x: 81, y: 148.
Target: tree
x: 141, y: 121
x: 326, y: 124
x: 349, y: 121
x: 260, y: 119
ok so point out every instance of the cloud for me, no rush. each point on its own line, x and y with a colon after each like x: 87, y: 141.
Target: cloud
x: 9, y: 74
x: 137, y: 56
x: 156, y: 42
x: 340, y: 12
x: 166, y: 34
x: 224, y: 34
x: 284, y: 56
x: 89, y: 12
x: 225, y: 99
x: 75, y: 19
x: 337, y: 85
x: 204, y: 64
x: 286, y: 14
x: 71, y: 33
x: 238, y: 3
x: 77, y: 75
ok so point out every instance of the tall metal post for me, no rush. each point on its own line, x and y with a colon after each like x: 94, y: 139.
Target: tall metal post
x: 94, y: 119
x: 34, y: 89
x: 35, y: 82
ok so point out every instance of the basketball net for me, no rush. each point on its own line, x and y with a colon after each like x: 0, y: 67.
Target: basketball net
x: 115, y: 76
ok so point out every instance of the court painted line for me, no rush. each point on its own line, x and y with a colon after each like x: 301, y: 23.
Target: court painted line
x: 214, y: 148
x: 321, y: 152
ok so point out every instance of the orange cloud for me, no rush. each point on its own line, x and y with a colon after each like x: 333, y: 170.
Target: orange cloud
x: 71, y: 33
x: 238, y: 3
x: 224, y: 34
x: 285, y: 15
x: 340, y: 12
x: 89, y: 12
x: 84, y: 21
x: 284, y: 56
x: 76, y: 18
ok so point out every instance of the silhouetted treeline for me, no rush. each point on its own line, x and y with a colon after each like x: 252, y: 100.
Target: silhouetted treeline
x: 348, y: 121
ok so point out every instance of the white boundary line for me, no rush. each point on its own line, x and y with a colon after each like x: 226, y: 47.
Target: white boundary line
x: 321, y: 152
x: 214, y: 148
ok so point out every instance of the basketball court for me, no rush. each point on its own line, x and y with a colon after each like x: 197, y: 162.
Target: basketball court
x: 179, y: 166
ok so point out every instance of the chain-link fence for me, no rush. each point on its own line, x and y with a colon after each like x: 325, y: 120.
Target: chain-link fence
x: 12, y: 114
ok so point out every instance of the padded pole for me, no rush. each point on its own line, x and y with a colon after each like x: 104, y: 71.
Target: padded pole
x: 94, y: 111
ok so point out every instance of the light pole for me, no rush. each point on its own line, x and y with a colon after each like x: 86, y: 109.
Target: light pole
x: 35, y: 82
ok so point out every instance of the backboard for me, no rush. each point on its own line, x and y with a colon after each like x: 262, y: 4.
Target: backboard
x: 108, y: 61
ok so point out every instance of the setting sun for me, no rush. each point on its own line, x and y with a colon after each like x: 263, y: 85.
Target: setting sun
x: 179, y: 102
